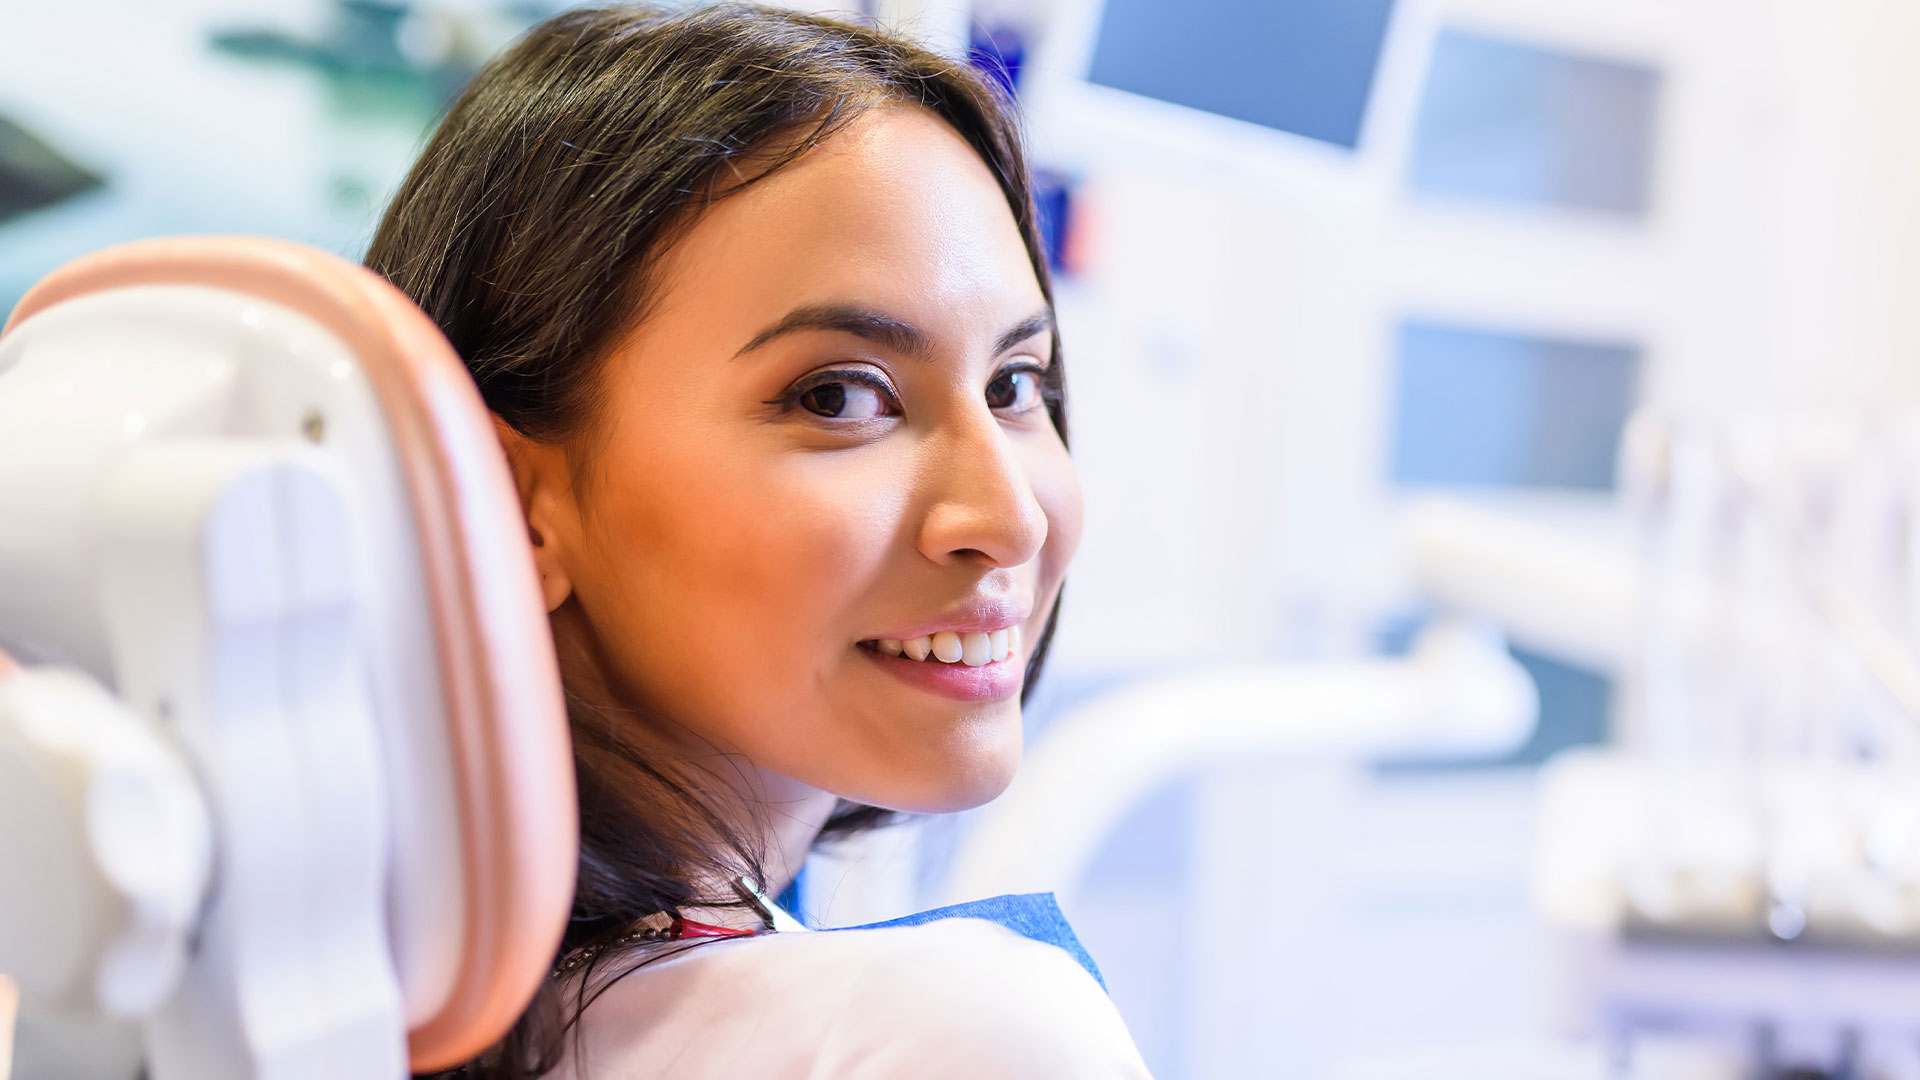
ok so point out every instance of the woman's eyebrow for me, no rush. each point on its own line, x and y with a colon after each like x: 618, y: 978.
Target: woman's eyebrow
x: 1038, y: 322
x: 896, y: 334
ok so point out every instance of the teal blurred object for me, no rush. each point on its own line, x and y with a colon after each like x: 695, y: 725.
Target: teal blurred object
x: 33, y: 175
x: 408, y: 49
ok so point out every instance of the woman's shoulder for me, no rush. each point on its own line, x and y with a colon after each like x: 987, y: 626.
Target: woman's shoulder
x: 956, y: 997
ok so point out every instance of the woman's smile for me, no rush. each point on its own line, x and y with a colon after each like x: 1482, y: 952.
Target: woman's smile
x: 977, y: 652
x: 994, y: 680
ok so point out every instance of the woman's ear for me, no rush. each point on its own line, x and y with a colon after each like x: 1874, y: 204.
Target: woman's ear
x: 543, y: 481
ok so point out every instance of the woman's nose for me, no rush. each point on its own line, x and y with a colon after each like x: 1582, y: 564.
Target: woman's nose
x: 982, y: 504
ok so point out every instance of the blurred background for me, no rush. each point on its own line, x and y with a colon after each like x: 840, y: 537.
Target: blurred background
x: 1490, y: 653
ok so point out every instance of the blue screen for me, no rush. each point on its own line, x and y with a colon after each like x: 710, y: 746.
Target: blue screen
x: 1506, y: 121
x: 1482, y: 407
x: 1301, y: 66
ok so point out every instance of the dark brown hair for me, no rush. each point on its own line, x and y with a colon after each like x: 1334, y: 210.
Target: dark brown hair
x: 530, y: 230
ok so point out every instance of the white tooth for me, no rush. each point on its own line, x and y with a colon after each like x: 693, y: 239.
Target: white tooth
x: 999, y: 640
x: 976, y: 649
x: 946, y: 646
x: 917, y: 648
x: 889, y: 646
x: 1016, y: 642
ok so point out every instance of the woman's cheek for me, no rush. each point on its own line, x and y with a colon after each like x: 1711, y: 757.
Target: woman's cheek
x: 802, y: 557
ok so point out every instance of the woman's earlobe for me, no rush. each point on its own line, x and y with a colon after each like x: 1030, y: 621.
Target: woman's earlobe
x: 554, y: 590
x: 524, y: 462
x: 555, y: 584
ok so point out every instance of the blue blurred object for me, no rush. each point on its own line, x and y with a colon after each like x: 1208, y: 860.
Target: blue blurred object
x: 1481, y: 407
x: 1053, y: 204
x: 1300, y: 66
x: 1576, y: 707
x: 999, y: 52
x: 1510, y: 122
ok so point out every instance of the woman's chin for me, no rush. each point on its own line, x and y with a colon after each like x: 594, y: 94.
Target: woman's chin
x: 973, y: 784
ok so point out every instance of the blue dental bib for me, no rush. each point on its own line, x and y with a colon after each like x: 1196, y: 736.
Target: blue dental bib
x: 1031, y: 915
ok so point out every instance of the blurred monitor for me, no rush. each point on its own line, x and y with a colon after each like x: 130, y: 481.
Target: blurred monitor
x: 1480, y: 407
x: 1299, y: 66
x: 1505, y: 121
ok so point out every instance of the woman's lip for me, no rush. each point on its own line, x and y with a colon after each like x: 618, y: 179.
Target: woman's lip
x: 978, y: 616
x: 988, y: 682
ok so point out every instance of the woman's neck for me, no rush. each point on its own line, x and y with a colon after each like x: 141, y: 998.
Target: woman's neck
x: 781, y: 815
x: 790, y: 815
x: 795, y: 813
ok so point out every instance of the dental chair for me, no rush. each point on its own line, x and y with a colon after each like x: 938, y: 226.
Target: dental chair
x: 285, y: 780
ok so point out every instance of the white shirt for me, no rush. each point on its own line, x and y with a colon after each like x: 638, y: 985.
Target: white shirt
x: 953, y: 998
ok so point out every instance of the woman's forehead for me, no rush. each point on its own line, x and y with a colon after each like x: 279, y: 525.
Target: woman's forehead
x: 895, y: 211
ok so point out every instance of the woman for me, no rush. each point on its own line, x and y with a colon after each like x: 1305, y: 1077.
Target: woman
x: 758, y: 302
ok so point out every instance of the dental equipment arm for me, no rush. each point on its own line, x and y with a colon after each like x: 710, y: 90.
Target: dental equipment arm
x: 1457, y: 693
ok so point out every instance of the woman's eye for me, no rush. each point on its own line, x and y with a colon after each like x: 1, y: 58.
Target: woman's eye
x: 845, y: 398
x: 1018, y: 390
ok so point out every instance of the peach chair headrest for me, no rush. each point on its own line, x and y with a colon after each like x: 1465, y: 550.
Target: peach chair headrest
x: 496, y: 672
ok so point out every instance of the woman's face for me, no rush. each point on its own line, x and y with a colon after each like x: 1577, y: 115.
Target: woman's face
x: 829, y: 432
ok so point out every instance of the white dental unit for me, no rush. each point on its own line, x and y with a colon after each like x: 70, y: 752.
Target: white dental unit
x: 1743, y: 868
x: 284, y: 772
